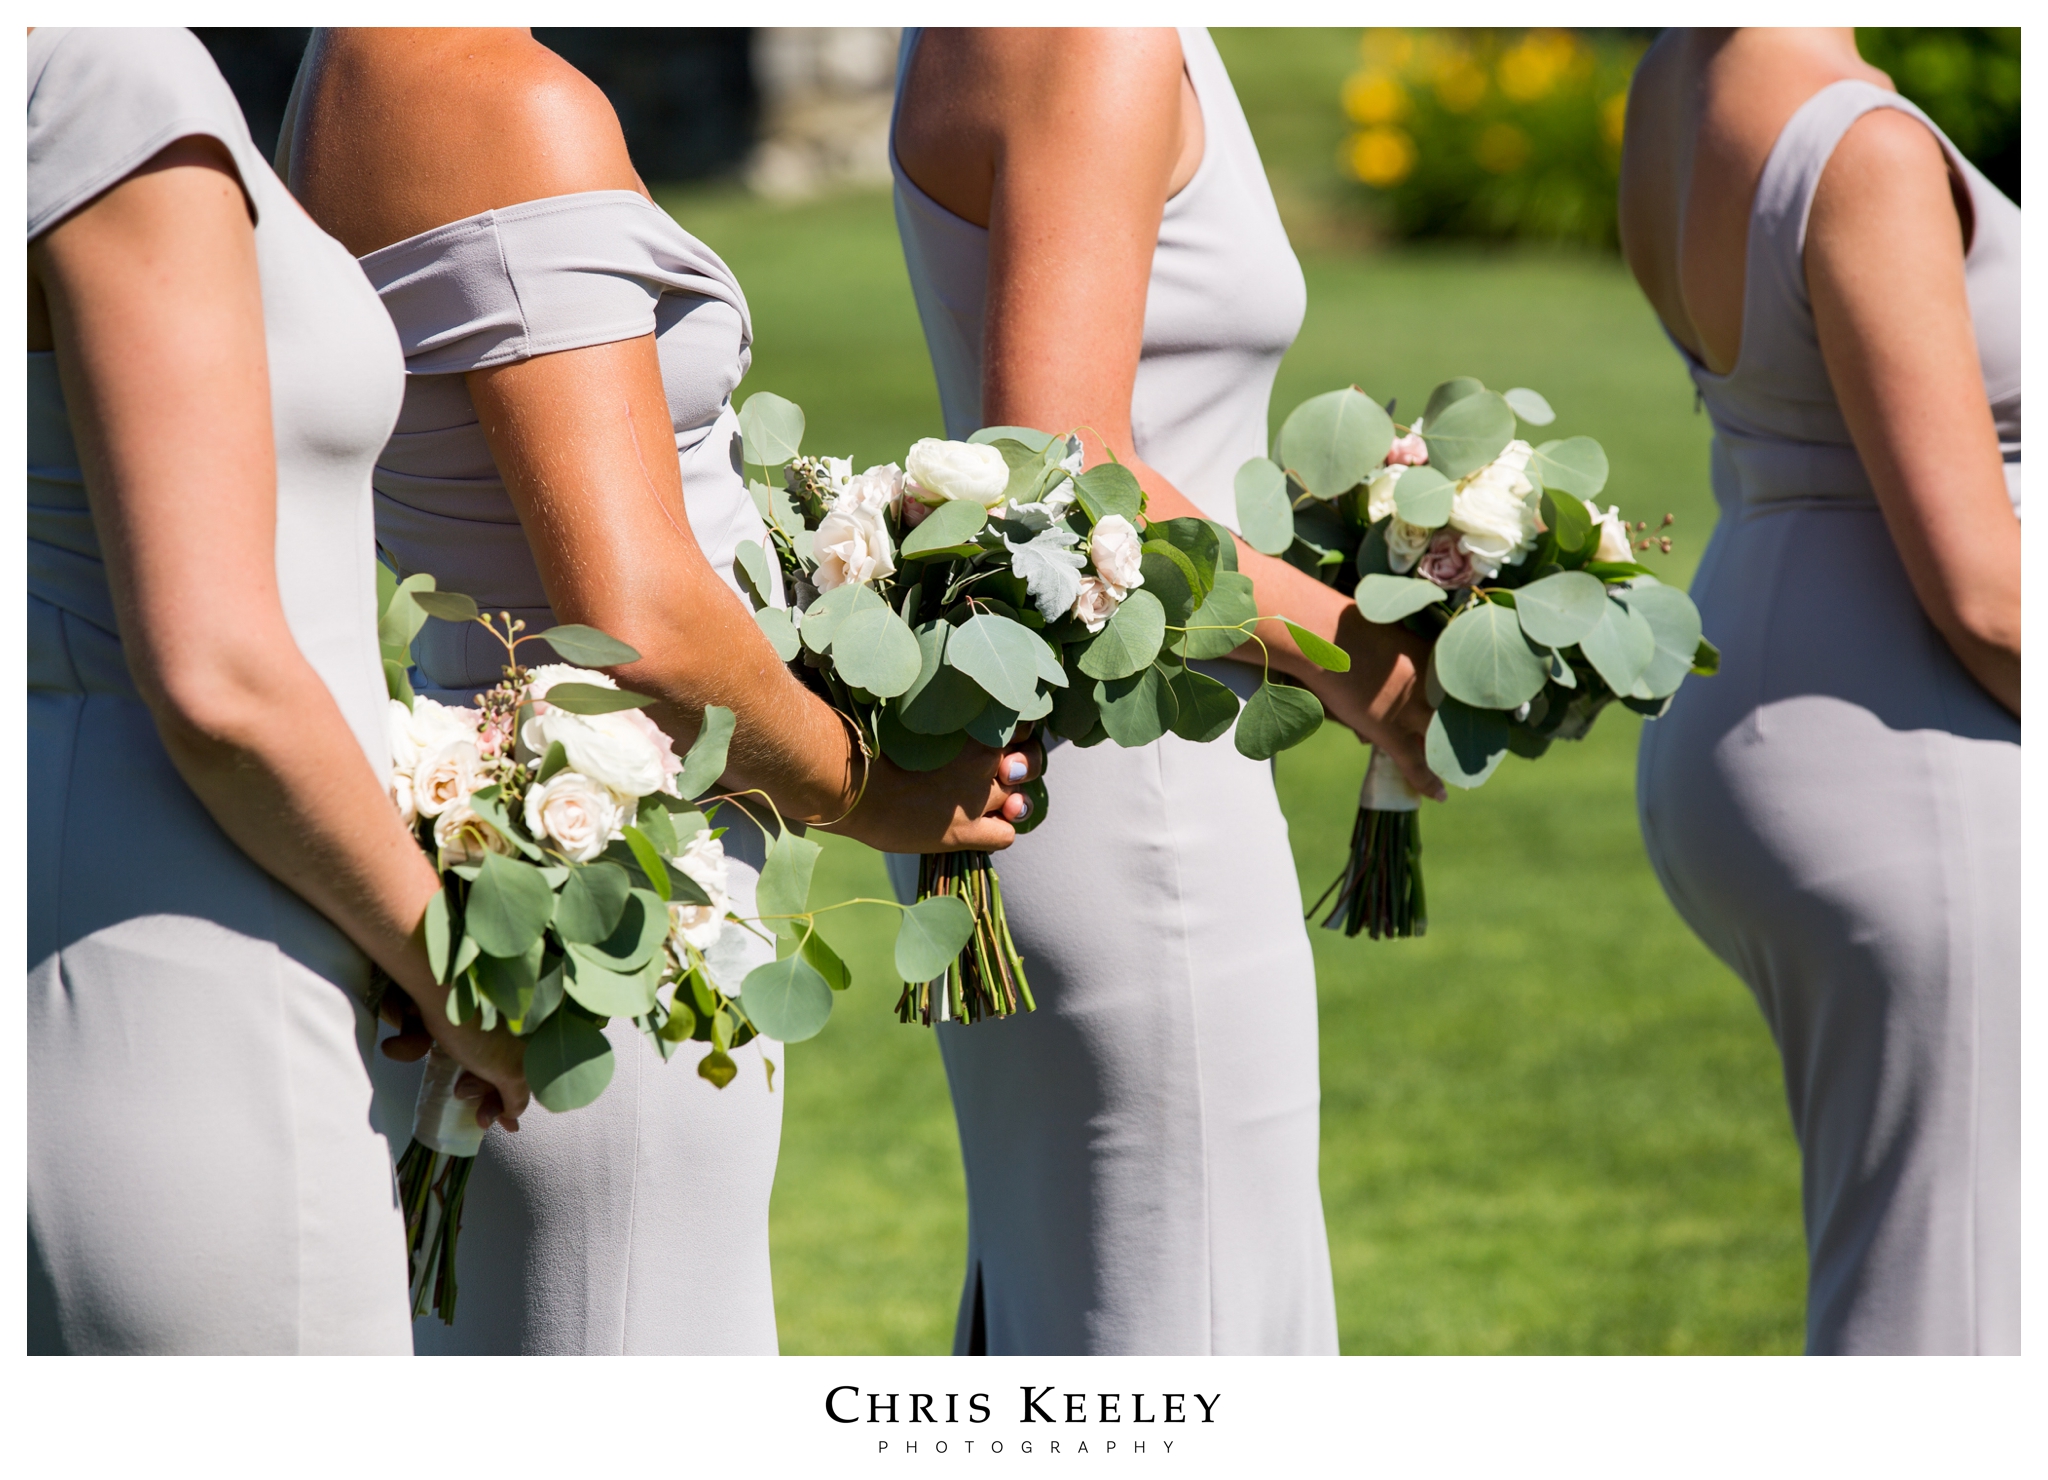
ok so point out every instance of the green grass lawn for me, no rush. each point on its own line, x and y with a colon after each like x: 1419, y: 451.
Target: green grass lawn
x: 1554, y: 1124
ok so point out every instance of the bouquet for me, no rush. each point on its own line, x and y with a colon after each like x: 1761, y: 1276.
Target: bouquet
x: 582, y: 879
x: 984, y: 586
x: 1540, y: 614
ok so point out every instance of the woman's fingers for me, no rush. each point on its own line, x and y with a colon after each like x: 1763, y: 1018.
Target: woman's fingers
x: 1407, y: 749
x: 1023, y: 761
x: 407, y: 1047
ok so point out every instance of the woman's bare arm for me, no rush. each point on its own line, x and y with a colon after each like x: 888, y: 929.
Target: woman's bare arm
x: 1079, y: 138
x: 1884, y: 269
x: 157, y: 318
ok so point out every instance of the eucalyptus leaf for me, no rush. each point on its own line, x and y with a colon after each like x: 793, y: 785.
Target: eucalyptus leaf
x: 1325, y: 655
x: 875, y: 650
x: 916, y: 752
x: 1468, y: 434
x: 771, y: 429
x: 1455, y: 389
x: 787, y: 1000
x: 1675, y: 622
x: 706, y: 760
x: 1578, y: 465
x: 441, y: 931
x: 750, y: 561
x: 590, y: 698
x: 508, y: 983
x: 1109, y: 488
x: 945, y: 530
x: 1137, y: 709
x: 1277, y: 717
x: 1204, y: 707
x: 1265, y: 514
x: 1558, y: 611
x: 557, y: 757
x: 1202, y: 541
x: 821, y: 622
x: 780, y: 631
x: 401, y: 617
x: 1465, y: 745
x: 651, y: 863
x: 596, y: 987
x: 449, y: 606
x: 784, y: 889
x: 1231, y: 605
x: 1390, y: 599
x: 1170, y: 577
x: 838, y: 976
x: 1423, y: 496
x: 592, y: 900
x: 1003, y: 656
x: 635, y: 940
x: 1530, y: 406
x: 1620, y: 647
x: 1074, y: 712
x: 547, y: 996
x: 1571, y: 527
x: 941, y: 698
x: 1483, y: 659
x: 588, y: 647
x: 1332, y: 441
x: 398, y: 683
x: 510, y: 904
x: 1706, y: 659
x: 995, y: 725
x: 568, y: 1062
x: 1127, y: 644
x: 1030, y: 437
x: 931, y: 936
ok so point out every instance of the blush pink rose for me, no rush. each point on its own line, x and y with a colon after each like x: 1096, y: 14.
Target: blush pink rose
x: 1445, y: 563
x: 914, y: 513
x: 1409, y: 451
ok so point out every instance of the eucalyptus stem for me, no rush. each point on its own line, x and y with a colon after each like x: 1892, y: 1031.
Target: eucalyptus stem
x: 986, y: 980
x: 431, y: 1188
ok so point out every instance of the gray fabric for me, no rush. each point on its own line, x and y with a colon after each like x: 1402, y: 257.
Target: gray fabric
x: 203, y: 1172
x: 1837, y: 812
x: 1141, y: 1151
x: 638, y: 1224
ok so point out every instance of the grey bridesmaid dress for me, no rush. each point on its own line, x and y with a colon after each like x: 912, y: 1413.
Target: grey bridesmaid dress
x: 1837, y: 813
x: 204, y: 1174
x: 1141, y: 1150
x: 638, y: 1224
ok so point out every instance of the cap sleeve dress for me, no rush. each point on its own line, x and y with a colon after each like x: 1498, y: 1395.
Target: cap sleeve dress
x: 203, y: 1173
x: 638, y: 1224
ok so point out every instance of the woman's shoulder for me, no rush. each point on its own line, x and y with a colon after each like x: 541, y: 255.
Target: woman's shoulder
x: 103, y: 100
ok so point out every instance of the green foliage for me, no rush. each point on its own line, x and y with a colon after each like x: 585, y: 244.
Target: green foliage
x: 1277, y: 717
x: 1265, y: 514
x: 706, y: 760
x: 1387, y: 599
x: 1330, y: 442
x: 947, y: 530
x: 1468, y: 434
x: 568, y: 1062
x: 787, y: 999
x: 932, y: 933
x: 585, y: 645
x: 1967, y: 78
x: 771, y: 429
x: 1131, y: 639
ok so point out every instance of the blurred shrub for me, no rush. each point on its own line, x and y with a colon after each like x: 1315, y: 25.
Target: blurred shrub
x: 1968, y: 80
x: 1490, y: 133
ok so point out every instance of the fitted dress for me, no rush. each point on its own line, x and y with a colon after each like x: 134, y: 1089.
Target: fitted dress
x: 638, y: 1224
x: 204, y: 1173
x: 1141, y: 1151
x: 1837, y: 812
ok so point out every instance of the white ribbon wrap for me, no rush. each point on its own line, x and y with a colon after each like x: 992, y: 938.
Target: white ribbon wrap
x: 440, y: 1122
x: 1385, y: 788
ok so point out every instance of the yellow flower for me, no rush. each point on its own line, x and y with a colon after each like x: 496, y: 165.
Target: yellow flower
x: 1501, y: 148
x: 1459, y: 84
x: 1373, y: 97
x: 1533, y: 67
x: 1613, y: 114
x: 1385, y: 47
x: 1382, y: 157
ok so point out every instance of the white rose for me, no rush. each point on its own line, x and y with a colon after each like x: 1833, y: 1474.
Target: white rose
x: 704, y: 862
x: 937, y: 472
x: 446, y: 775
x: 575, y: 812
x: 852, y: 546
x: 401, y: 798
x: 1097, y: 602
x: 464, y: 837
x: 1405, y: 544
x: 1117, y: 552
x: 878, y: 488
x: 1379, y: 493
x: 624, y: 750
x: 1494, y: 510
x: 426, y: 726
x: 1614, y: 541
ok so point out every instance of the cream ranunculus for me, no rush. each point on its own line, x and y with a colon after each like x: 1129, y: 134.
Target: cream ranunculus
x: 1117, y: 553
x: 446, y: 775
x: 464, y: 837
x: 880, y: 487
x: 1097, y: 602
x: 937, y: 472
x: 1379, y: 493
x: 1405, y: 544
x: 624, y: 750
x: 703, y: 862
x: 1614, y: 540
x: 575, y: 813
x: 1494, y: 510
x: 852, y: 545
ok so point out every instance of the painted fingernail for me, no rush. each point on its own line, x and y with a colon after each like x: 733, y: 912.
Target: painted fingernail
x: 1024, y: 811
x: 1014, y: 768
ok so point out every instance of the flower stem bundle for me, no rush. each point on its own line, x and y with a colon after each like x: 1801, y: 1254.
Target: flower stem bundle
x: 1380, y: 890
x: 986, y: 979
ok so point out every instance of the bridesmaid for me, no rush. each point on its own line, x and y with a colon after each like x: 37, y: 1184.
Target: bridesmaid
x: 212, y: 862
x: 568, y: 451
x: 1093, y: 244
x: 1837, y: 813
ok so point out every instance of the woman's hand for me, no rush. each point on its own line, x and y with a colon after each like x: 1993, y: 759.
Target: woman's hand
x: 970, y: 804
x: 493, y: 1063
x: 1383, y: 698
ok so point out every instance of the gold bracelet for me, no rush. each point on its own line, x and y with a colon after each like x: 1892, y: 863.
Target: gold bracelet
x: 860, y: 745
